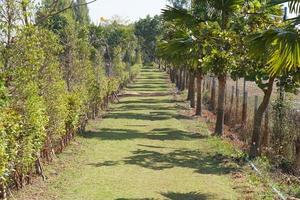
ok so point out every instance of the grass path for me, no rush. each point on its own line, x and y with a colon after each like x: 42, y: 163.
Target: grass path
x: 142, y: 150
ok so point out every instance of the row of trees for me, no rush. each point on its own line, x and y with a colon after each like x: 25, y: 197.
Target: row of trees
x: 233, y: 38
x: 57, y: 70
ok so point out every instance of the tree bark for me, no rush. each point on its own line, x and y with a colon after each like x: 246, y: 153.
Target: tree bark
x: 192, y: 89
x: 256, y: 135
x: 245, y: 102
x: 297, y: 161
x: 180, y: 79
x: 183, y: 80
x: 199, y: 94
x: 266, y: 134
x: 213, y: 95
x: 219, y: 129
x: 237, y: 101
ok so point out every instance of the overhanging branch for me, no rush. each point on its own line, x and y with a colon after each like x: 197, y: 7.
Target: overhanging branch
x: 54, y: 5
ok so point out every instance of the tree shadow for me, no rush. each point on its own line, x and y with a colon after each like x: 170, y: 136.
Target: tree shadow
x: 177, y: 196
x: 105, y: 164
x: 187, y: 196
x: 144, y: 107
x: 203, y: 163
x: 147, y: 86
x: 147, y: 94
x: 135, y: 199
x: 148, y: 101
x: 128, y: 134
x: 152, y: 116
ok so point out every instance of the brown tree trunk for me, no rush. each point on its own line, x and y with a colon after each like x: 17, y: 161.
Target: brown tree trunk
x: 256, y: 135
x: 187, y: 80
x: 221, y: 106
x: 245, y: 102
x: 192, y: 89
x: 213, y: 95
x: 199, y: 94
x: 180, y: 79
x: 266, y: 134
x: 183, y: 80
x: 237, y: 101
x: 297, y: 161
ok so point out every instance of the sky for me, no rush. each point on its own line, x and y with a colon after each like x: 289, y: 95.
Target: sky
x: 129, y: 9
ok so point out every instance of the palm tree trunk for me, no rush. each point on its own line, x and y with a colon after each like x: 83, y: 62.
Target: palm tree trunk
x: 192, y: 89
x: 256, y: 135
x: 180, y: 79
x: 297, y: 161
x: 219, y: 129
x: 183, y: 80
x: 213, y: 95
x: 199, y: 94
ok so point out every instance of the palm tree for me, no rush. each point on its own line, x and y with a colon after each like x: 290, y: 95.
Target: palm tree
x: 280, y: 47
x: 191, y: 45
x: 222, y: 11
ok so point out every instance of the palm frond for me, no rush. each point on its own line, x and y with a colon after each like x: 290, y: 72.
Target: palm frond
x: 179, y: 16
x: 281, y: 47
x: 294, y: 5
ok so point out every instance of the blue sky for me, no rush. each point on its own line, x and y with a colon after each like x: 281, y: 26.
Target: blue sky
x: 128, y: 9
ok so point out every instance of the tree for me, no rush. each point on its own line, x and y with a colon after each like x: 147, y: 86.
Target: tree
x: 147, y: 31
x: 82, y: 12
x: 278, y: 51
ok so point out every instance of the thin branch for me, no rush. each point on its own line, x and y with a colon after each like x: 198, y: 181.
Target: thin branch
x: 72, y: 5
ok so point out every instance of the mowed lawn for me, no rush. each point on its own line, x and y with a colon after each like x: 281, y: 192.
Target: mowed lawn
x: 142, y: 150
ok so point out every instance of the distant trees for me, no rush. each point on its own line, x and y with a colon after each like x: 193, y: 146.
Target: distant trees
x: 148, y: 31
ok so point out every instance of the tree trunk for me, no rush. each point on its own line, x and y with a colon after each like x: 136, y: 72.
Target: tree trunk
x: 245, y: 102
x: 189, y: 87
x: 221, y: 106
x: 199, y: 94
x: 187, y: 80
x: 266, y: 134
x: 192, y: 89
x: 213, y: 94
x: 297, y: 161
x: 180, y: 79
x: 183, y: 80
x: 237, y: 101
x: 256, y: 135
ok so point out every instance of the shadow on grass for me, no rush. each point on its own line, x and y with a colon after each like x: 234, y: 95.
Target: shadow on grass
x: 177, y: 196
x: 145, y: 107
x: 148, y: 86
x: 147, y: 94
x: 135, y: 199
x: 202, y: 163
x: 152, y: 116
x: 148, y: 100
x: 128, y: 134
x: 186, y: 196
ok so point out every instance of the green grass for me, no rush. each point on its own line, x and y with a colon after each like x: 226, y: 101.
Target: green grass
x: 143, y: 149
